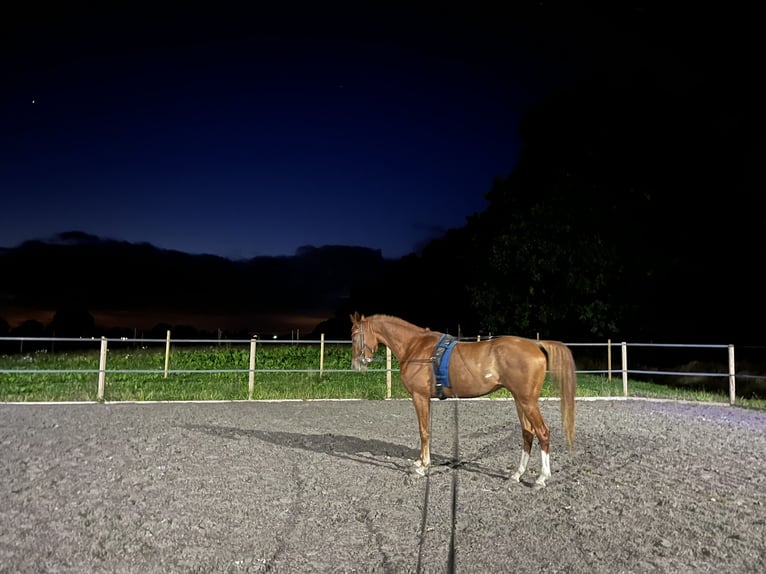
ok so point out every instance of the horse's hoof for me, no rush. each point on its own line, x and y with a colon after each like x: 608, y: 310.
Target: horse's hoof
x: 516, y: 477
x: 420, y: 469
x: 539, y: 484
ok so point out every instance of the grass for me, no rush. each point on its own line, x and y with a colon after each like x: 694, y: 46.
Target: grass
x: 221, y: 372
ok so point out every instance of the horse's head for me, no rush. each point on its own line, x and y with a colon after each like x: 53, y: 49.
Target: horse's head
x: 363, y: 343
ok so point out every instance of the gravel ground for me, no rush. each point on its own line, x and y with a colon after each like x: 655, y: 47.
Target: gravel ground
x: 328, y: 487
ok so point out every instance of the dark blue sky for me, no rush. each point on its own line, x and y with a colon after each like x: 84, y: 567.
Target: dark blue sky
x: 254, y: 133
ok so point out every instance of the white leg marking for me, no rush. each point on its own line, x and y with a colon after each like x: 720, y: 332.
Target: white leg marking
x: 420, y: 468
x: 545, y: 472
x: 522, y: 466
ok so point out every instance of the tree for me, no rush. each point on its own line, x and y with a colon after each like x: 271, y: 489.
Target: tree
x: 540, y: 266
x: 73, y: 322
x: 29, y: 328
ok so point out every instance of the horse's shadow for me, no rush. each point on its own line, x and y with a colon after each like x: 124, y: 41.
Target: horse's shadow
x: 364, y: 451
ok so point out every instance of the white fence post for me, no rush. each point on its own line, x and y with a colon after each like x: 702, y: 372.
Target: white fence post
x: 321, y: 355
x: 732, y: 377
x: 388, y: 373
x: 167, y: 352
x: 102, y: 369
x: 251, y: 375
x: 624, y: 369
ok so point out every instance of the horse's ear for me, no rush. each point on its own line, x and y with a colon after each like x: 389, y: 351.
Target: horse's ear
x: 354, y: 318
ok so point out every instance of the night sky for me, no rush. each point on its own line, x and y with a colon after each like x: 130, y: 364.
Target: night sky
x: 243, y: 133
x: 258, y: 132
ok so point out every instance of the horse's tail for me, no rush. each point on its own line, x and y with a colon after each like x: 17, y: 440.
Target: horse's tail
x: 561, y: 366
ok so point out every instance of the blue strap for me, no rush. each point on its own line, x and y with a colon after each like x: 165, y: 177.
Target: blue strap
x: 441, y: 362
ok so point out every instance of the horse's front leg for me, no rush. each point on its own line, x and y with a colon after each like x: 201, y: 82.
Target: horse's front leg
x: 422, y: 405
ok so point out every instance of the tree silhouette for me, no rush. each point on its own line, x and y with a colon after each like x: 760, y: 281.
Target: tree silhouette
x: 29, y: 328
x: 73, y: 322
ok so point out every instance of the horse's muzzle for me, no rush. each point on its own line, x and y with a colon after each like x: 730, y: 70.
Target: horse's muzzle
x: 359, y: 364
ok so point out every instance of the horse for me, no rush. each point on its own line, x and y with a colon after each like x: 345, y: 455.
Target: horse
x: 475, y: 369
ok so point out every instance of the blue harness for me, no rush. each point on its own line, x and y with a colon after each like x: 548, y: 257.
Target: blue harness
x: 441, y: 363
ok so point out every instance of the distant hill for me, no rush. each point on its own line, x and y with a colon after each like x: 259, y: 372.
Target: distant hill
x: 75, y: 270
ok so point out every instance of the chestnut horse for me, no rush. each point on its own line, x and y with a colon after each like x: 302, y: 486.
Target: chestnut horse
x: 475, y: 369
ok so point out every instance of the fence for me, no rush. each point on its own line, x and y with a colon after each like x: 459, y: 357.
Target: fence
x: 726, y: 368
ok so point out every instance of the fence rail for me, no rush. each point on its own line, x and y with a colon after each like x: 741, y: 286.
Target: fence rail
x: 727, y: 366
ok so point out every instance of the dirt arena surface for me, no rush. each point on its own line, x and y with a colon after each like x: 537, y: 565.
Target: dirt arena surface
x: 328, y: 487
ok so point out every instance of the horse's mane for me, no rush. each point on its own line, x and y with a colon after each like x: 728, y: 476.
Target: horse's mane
x: 398, y: 321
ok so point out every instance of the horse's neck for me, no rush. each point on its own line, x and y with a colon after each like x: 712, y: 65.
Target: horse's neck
x: 395, y: 334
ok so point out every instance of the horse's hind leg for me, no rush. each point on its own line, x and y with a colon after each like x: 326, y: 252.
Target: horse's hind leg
x: 528, y: 435
x: 544, y: 438
x: 532, y: 424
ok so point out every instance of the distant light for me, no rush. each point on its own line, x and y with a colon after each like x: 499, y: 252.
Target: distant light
x: 275, y: 336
